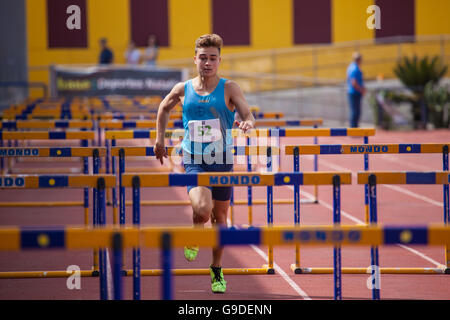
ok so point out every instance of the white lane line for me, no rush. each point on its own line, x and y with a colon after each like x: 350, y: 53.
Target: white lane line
x: 283, y: 274
x: 392, y: 187
x: 420, y: 254
x: 330, y: 207
x: 349, y: 216
x: 396, y: 159
x: 291, y: 282
x: 109, y: 277
x: 414, y: 195
x: 354, y: 219
x: 278, y: 269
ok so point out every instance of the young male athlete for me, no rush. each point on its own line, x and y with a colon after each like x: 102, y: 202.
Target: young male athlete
x: 209, y: 105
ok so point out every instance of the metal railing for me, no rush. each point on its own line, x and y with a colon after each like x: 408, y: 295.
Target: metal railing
x: 309, y: 81
x: 318, y: 65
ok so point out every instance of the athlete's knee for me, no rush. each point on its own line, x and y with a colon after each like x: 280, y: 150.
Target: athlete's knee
x: 202, y: 211
x: 220, y: 216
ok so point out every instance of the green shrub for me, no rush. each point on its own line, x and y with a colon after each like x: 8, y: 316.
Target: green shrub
x: 415, y: 74
x: 438, y: 100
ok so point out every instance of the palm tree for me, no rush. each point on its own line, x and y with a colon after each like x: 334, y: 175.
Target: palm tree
x: 415, y: 74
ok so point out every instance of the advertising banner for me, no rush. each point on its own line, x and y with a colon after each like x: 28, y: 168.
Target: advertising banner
x: 68, y: 81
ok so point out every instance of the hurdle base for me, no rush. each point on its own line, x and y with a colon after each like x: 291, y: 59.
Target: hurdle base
x: 235, y: 203
x: 296, y: 269
x: 45, y: 274
x: 310, y: 201
x: 196, y: 272
x: 386, y: 270
x: 41, y: 204
x: 148, y: 169
x: 46, y: 171
x: 269, y: 270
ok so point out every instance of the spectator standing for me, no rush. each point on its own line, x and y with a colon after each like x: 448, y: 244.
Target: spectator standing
x: 151, y: 52
x: 132, y: 55
x: 355, y: 89
x: 106, y: 54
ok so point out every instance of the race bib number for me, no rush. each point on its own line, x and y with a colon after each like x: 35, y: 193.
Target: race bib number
x: 204, y: 131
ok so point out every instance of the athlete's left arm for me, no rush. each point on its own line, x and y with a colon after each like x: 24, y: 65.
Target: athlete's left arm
x: 243, y: 109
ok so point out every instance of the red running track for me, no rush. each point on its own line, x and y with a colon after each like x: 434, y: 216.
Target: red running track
x: 396, y: 205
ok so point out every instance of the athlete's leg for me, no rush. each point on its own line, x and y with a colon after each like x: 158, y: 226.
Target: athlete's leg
x: 221, y: 197
x: 202, y: 205
x: 201, y: 201
x: 219, y: 218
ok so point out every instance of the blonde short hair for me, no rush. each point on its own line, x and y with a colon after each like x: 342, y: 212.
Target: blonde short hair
x: 209, y: 40
x: 356, y: 56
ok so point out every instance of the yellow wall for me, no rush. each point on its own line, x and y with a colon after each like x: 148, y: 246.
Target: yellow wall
x: 271, y: 26
x: 36, y: 30
x: 432, y: 17
x: 36, y: 42
x: 108, y: 19
x: 270, y: 23
x: 105, y: 18
x: 185, y: 25
x: 349, y: 20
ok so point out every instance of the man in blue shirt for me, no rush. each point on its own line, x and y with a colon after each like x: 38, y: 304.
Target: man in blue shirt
x: 355, y: 89
x: 106, y: 55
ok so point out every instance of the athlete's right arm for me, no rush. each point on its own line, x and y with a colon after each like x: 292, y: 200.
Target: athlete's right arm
x: 168, y: 103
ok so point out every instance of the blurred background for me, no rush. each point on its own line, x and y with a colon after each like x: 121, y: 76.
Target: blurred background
x: 289, y: 56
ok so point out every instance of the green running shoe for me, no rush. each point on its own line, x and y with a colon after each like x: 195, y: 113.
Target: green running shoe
x: 218, y: 283
x: 190, y: 253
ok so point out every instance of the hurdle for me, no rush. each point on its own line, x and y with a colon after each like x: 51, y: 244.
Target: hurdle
x: 177, y: 134
x: 267, y: 115
x: 316, y: 132
x: 127, y: 114
x: 123, y: 152
x: 43, y: 135
x: 46, y: 124
x: 407, y: 177
x: 366, y: 149
x: 46, y: 135
x: 261, y: 132
x: 145, y: 115
x: 55, y: 114
x: 116, y: 115
x: 117, y: 124
x: 98, y: 183
x: 42, y: 109
x: 124, y: 103
x: 178, y: 124
x: 55, y: 152
x: 225, y: 179
x: 167, y: 238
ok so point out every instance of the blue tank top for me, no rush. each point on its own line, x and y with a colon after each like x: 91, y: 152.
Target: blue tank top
x: 211, y: 106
